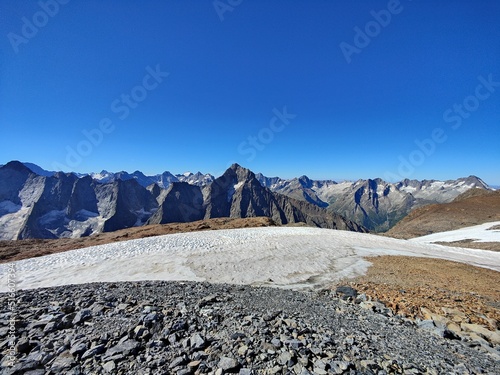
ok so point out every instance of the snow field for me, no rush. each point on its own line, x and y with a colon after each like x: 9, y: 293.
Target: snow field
x: 288, y: 257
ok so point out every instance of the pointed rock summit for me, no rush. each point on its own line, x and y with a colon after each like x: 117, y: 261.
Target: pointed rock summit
x: 238, y: 193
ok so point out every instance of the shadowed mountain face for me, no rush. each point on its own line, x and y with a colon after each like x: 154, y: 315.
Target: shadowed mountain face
x: 64, y: 205
x: 374, y: 203
x: 180, y: 203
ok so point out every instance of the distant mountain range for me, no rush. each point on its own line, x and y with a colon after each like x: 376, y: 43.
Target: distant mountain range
x: 163, y: 180
x: 56, y: 205
x: 376, y: 204
x: 35, y: 203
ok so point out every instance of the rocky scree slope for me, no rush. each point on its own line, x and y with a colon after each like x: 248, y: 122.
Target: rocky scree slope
x: 199, y: 328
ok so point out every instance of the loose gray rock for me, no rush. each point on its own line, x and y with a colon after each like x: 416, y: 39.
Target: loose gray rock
x: 228, y: 364
x: 162, y: 329
x: 82, y: 316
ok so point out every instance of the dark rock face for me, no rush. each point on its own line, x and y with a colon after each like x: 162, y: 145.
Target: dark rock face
x: 126, y: 204
x: 182, y: 203
x: 13, y: 177
x: 238, y: 194
x: 83, y: 197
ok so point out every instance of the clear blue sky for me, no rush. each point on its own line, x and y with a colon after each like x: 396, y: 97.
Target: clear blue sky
x: 233, y: 68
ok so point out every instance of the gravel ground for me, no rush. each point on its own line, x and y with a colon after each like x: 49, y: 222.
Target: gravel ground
x: 195, y: 328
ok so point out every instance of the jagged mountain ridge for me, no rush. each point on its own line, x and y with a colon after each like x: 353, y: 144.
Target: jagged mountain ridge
x: 65, y: 205
x: 164, y: 180
x: 376, y: 204
x: 238, y: 193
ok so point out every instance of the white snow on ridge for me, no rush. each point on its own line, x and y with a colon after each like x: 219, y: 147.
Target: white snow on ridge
x: 290, y: 257
x: 479, y: 233
x: 11, y: 222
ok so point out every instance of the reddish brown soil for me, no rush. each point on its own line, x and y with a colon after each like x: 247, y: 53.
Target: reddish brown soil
x: 472, y: 208
x: 406, y: 284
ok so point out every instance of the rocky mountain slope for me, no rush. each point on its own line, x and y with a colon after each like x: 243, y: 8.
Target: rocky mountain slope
x: 238, y: 193
x: 376, y: 204
x: 198, y: 328
x: 65, y: 205
x: 164, y: 180
x: 471, y: 208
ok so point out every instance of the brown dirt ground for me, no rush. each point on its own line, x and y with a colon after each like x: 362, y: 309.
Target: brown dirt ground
x: 405, y: 284
x: 471, y: 208
x: 23, y: 249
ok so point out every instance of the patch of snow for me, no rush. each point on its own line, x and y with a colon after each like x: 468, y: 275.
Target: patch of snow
x: 292, y: 257
x: 11, y: 223
x: 408, y: 189
x: 232, y: 189
x: 480, y: 233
